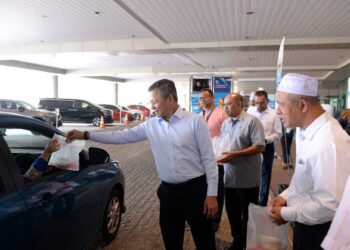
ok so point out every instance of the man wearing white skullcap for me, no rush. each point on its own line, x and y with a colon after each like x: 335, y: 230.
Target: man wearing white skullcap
x: 322, y: 163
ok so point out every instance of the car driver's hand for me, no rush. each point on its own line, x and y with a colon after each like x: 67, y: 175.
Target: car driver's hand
x: 51, y: 147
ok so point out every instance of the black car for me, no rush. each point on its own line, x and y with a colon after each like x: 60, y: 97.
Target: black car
x: 77, y: 110
x: 24, y: 108
x: 64, y: 209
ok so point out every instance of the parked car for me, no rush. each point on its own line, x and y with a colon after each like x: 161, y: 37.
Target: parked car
x: 64, y: 209
x: 24, y: 108
x: 116, y: 112
x: 136, y: 113
x: 146, y: 111
x: 76, y: 110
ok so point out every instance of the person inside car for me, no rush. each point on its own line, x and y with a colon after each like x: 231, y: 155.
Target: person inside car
x: 37, y: 168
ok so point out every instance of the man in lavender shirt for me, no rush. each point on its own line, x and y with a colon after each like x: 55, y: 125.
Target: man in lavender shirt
x: 181, y: 145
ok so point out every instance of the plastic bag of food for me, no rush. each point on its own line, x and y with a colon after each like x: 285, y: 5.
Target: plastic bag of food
x: 262, y: 234
x: 67, y: 157
x: 220, y: 145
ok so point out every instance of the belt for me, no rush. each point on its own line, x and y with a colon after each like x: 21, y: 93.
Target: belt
x: 186, y: 183
x: 316, y: 226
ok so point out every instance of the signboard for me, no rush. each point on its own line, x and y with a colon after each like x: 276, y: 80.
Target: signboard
x: 278, y: 70
x: 279, y: 64
x: 221, y: 87
x: 222, y: 84
x: 195, y: 105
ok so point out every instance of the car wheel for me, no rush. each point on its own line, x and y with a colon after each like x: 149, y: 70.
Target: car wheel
x: 112, y: 216
x: 137, y: 117
x: 96, y: 121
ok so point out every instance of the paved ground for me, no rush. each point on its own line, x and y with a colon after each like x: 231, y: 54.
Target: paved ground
x: 139, y: 228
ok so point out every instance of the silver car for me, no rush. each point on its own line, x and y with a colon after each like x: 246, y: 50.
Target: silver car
x: 24, y: 108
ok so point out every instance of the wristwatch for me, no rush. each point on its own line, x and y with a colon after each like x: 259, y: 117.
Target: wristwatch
x: 86, y: 135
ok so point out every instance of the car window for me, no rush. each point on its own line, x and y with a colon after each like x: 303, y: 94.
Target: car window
x: 111, y: 107
x: 24, y: 141
x: 28, y: 106
x: 8, y: 105
x: 52, y: 104
x: 65, y: 104
x: 85, y: 105
x: 26, y: 146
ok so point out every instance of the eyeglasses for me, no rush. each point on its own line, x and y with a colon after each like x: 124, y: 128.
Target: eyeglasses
x: 204, y: 97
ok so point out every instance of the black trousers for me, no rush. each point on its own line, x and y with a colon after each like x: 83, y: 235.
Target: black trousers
x: 180, y: 203
x: 286, y: 143
x: 266, y: 169
x: 309, y: 237
x: 237, y: 201
x: 221, y: 194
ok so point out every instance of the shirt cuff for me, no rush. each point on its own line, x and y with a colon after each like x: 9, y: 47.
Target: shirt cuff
x: 288, y: 213
x: 39, y: 164
x: 284, y: 194
x: 212, y: 190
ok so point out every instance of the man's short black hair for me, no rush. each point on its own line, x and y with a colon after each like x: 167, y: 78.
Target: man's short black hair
x: 165, y: 88
x: 208, y: 90
x: 262, y: 93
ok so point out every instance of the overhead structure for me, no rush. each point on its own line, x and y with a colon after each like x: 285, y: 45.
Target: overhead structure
x: 126, y: 39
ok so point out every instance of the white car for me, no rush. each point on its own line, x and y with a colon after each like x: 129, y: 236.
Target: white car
x: 136, y: 113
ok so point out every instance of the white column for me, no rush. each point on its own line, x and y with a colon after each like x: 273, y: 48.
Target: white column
x: 55, y: 86
x: 116, y: 93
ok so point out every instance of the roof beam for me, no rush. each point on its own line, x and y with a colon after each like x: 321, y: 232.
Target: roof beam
x: 32, y: 66
x: 157, y: 46
x: 107, y: 78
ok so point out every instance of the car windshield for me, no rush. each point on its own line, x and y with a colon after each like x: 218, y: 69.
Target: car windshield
x: 28, y: 106
x: 125, y: 108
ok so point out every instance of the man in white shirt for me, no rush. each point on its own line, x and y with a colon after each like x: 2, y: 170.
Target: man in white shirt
x: 273, y: 131
x: 322, y: 163
x: 338, y: 235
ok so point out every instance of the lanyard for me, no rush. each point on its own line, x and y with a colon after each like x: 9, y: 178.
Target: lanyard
x: 207, y: 118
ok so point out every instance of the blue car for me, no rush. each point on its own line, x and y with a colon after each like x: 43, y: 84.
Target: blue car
x: 64, y: 209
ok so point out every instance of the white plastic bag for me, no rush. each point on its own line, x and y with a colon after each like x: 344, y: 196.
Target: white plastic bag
x: 67, y: 157
x: 262, y: 233
x: 220, y: 145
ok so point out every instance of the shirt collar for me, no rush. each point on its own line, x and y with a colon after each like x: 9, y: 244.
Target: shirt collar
x: 179, y: 113
x: 240, y: 117
x: 309, y: 132
x: 267, y: 110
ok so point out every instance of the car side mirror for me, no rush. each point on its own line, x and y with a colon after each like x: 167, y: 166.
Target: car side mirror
x: 98, y: 156
x: 20, y: 109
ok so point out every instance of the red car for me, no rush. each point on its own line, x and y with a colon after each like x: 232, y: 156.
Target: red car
x: 116, y: 112
x: 146, y: 111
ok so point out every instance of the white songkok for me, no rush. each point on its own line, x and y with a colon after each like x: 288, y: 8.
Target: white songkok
x: 298, y: 84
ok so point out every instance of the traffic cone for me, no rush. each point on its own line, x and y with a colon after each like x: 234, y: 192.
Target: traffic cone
x: 102, y: 122
x: 142, y: 118
x: 126, y: 120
